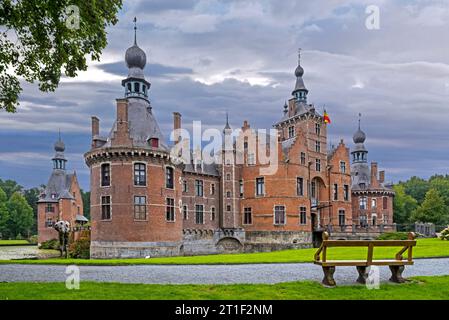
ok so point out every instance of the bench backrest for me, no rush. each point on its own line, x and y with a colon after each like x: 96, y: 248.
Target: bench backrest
x: 370, y: 244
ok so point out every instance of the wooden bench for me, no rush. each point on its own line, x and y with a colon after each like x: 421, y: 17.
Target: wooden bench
x: 396, y: 265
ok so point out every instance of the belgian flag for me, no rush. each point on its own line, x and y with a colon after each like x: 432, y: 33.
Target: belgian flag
x: 326, y: 117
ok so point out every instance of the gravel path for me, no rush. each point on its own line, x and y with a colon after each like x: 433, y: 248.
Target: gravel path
x: 208, y: 274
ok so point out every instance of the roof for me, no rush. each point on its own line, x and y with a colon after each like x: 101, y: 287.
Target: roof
x: 142, y: 125
x: 59, y: 186
x: 81, y: 218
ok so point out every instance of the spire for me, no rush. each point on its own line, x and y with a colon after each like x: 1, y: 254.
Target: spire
x: 135, y: 31
x: 59, y: 160
x: 359, y: 135
x: 300, y: 91
x: 227, y: 126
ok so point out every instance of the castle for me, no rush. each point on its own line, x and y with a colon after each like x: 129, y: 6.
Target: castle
x: 145, y: 202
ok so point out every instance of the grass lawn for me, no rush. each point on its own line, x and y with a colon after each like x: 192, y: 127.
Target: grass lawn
x: 425, y: 248
x: 421, y: 288
x: 13, y: 242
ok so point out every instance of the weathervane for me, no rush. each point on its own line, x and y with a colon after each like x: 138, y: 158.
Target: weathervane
x: 135, y: 30
x: 299, y: 56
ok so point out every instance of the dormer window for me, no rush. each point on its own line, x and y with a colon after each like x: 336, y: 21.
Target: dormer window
x: 53, y: 195
x: 153, y: 142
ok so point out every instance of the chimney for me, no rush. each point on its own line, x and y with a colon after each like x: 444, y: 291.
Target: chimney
x: 121, y: 136
x: 95, y: 130
x: 382, y: 176
x: 374, y: 180
x: 177, y: 126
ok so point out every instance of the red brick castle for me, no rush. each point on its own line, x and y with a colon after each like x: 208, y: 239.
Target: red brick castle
x: 145, y: 202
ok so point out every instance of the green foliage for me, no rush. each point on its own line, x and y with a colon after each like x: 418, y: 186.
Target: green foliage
x: 417, y: 188
x: 80, y: 249
x: 4, y: 215
x: 10, y: 186
x: 32, y: 196
x: 433, y: 209
x: 86, y: 203
x: 38, y: 42
x: 393, y: 236
x: 20, y: 215
x: 50, y: 244
x: 403, y: 205
x: 33, y: 239
x: 445, y: 234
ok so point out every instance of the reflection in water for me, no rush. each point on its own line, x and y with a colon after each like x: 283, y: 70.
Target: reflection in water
x: 25, y: 252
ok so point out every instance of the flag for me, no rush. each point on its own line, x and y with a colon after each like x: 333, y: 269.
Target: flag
x: 326, y: 117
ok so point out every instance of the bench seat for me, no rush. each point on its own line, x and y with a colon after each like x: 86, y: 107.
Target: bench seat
x: 363, y: 263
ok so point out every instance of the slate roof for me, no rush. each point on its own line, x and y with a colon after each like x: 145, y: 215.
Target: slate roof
x: 59, y: 186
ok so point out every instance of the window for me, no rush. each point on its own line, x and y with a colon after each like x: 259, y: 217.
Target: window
x: 241, y: 188
x: 303, y: 215
x: 291, y: 132
x: 140, y: 208
x: 363, y: 203
x: 105, y: 207
x: 251, y: 160
x: 260, y: 186
x: 318, y: 129
x: 49, y: 223
x: 313, y: 189
x: 341, y: 217
x: 140, y: 176
x: 105, y: 175
x: 154, y: 142
x: 228, y: 208
x: 303, y: 158
x: 346, y: 192
x: 317, y: 146
x: 129, y: 87
x: 363, y: 221
x: 385, y: 219
x: 374, y: 220
x: 373, y: 203
x: 299, y: 186
x: 169, y: 184
x: 49, y: 208
x: 199, y: 214
x: 335, y: 191
x: 228, y: 194
x: 185, y: 212
x: 199, y: 188
x: 212, y: 213
x: 170, y: 210
x: 136, y: 87
x: 342, y: 167
x: 318, y: 165
x: 185, y: 186
x: 228, y: 177
x: 279, y: 215
x: 385, y: 203
x: 212, y: 189
x: 247, y: 216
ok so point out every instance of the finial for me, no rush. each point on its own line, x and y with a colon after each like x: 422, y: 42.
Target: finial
x: 360, y: 118
x: 59, y: 134
x: 299, y: 56
x: 135, y: 30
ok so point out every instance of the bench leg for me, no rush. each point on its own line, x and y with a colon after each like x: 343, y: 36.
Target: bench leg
x: 328, y: 279
x: 363, y: 275
x: 396, y: 274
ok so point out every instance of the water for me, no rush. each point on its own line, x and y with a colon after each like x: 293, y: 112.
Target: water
x: 25, y: 252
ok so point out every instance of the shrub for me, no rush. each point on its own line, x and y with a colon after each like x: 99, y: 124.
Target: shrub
x: 19, y: 237
x: 393, y: 236
x: 50, y: 244
x: 445, y: 234
x: 80, y: 249
x: 32, y: 239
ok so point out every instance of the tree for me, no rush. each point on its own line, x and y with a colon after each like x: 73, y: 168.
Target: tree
x: 10, y: 186
x: 403, y: 205
x: 4, y: 215
x: 441, y: 184
x: 32, y: 196
x: 44, y: 38
x: 417, y: 188
x: 433, y: 209
x: 86, y: 203
x: 20, y: 215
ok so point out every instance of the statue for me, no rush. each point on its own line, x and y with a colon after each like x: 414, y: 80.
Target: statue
x: 63, y: 228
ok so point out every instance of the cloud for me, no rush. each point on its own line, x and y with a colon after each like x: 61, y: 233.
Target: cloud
x: 155, y: 69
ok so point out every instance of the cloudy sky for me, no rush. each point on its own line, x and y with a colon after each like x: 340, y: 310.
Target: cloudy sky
x: 209, y: 56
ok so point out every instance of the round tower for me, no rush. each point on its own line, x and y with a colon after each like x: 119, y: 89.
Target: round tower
x: 135, y: 189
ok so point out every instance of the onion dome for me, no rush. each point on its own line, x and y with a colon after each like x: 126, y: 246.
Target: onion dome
x: 359, y: 135
x: 135, y: 57
x: 59, y: 146
x: 299, y: 72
